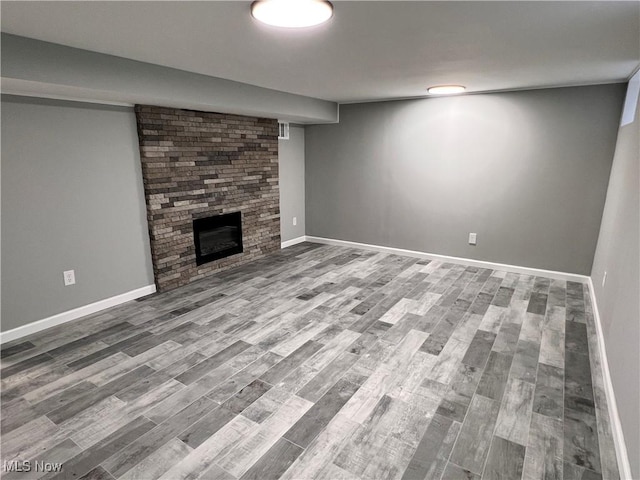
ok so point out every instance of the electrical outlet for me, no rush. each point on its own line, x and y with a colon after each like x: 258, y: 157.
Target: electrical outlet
x: 295, y: 221
x: 69, y: 277
x: 472, y: 238
x: 604, y: 278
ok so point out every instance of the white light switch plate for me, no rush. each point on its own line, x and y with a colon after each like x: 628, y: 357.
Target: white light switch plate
x: 295, y: 221
x: 472, y: 238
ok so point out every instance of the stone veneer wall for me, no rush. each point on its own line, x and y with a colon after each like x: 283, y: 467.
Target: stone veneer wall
x: 199, y: 164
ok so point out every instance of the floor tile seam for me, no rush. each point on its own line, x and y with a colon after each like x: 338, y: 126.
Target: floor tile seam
x: 83, y: 450
x: 579, y: 397
x: 101, y: 465
x: 32, y: 337
x: 564, y: 406
x: 384, y: 296
x: 448, y: 307
x: 214, y: 407
x: 515, y: 351
x: 390, y: 435
x: 535, y: 385
x: 120, y: 350
x: 466, y: 413
x: 145, y: 457
x: 282, y: 437
x: 581, y: 354
x: 502, y: 401
x: 592, y: 376
x: 494, y: 294
x: 407, y: 444
x: 130, y: 325
x: 31, y: 404
x: 493, y: 436
x: 344, y: 374
x: 490, y: 331
x: 558, y: 330
x: 167, y: 420
x: 210, y: 391
x: 218, y: 366
x: 450, y: 285
x: 36, y: 335
x: 133, y: 368
x: 244, y: 385
x: 480, y: 288
x: 313, y: 404
x: 65, y: 439
x: 32, y: 355
x: 223, y: 469
x: 64, y: 427
x: 8, y: 390
x: 82, y: 395
x: 527, y: 452
x: 43, y: 364
x: 602, y: 409
x: 459, y: 466
x: 396, y: 286
x: 583, y: 467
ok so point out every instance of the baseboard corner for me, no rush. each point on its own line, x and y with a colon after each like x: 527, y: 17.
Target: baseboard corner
x: 293, y: 241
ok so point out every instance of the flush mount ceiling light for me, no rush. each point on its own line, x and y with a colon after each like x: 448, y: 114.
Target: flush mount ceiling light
x: 446, y: 89
x: 292, y: 13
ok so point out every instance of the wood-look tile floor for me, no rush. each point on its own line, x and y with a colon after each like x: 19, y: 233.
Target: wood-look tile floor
x: 319, y: 363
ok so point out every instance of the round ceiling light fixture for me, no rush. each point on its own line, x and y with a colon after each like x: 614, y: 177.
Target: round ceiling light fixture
x: 446, y: 89
x: 292, y: 13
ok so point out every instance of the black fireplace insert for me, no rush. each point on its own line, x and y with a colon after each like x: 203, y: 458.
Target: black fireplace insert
x: 217, y: 237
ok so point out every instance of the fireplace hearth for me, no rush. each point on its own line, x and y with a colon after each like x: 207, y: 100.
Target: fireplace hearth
x: 217, y: 237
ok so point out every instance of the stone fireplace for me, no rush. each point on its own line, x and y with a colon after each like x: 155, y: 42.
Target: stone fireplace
x: 211, y: 187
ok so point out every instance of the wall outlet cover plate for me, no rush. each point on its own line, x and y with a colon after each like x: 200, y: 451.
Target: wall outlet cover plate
x: 69, y: 277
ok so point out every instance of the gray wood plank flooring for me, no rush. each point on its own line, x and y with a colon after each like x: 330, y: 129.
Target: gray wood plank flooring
x: 318, y: 362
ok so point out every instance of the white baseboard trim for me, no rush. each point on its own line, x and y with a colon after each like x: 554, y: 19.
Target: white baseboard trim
x: 574, y: 277
x: 616, y: 426
x: 293, y: 241
x: 74, y: 314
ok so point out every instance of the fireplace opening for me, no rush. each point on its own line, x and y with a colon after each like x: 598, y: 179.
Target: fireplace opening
x: 217, y: 237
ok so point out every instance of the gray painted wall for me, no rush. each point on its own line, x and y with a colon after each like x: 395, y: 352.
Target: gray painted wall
x: 33, y: 67
x: 527, y: 171
x: 291, y: 160
x: 72, y: 198
x: 618, y: 254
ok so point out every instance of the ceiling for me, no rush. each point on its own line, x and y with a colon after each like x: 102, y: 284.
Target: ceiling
x: 368, y: 51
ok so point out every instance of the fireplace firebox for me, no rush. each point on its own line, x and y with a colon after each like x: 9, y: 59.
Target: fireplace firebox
x: 217, y: 237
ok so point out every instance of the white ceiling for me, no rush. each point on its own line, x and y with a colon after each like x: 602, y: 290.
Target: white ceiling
x: 368, y: 51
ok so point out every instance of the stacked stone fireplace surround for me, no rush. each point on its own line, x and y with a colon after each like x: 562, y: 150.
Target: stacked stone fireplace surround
x: 200, y: 164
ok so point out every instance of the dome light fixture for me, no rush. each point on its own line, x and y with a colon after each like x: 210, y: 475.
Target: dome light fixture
x: 292, y: 13
x: 446, y: 89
